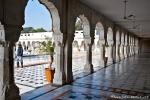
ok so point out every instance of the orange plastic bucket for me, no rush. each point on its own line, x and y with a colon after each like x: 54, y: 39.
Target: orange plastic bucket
x: 49, y: 74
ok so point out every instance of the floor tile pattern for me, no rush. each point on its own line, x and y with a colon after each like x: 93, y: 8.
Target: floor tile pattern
x: 127, y: 78
x: 111, y: 89
x: 34, y: 76
x: 76, y: 95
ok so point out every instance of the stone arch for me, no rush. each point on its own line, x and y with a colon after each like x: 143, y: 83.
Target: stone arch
x: 19, y: 42
x: 100, y: 29
x: 86, y: 25
x: 28, y: 43
x: 75, y: 45
x: 109, y: 34
x: 33, y: 44
x: 83, y: 47
x: 122, y: 37
x: 36, y: 44
x: 54, y: 15
x: 23, y: 43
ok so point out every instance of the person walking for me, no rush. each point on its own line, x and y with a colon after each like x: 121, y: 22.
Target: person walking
x: 19, y: 55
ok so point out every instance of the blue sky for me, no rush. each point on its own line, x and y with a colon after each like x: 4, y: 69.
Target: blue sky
x: 37, y: 16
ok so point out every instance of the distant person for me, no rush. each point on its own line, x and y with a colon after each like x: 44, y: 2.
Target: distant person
x: 19, y: 55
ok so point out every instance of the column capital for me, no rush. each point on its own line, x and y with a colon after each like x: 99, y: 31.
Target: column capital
x: 58, y: 38
x: 122, y: 43
x: 125, y: 43
x: 12, y: 34
x: 102, y: 41
x: 117, y: 43
x: 110, y: 42
x: 87, y: 40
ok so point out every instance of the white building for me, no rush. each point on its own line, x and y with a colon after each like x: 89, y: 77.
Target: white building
x: 29, y: 41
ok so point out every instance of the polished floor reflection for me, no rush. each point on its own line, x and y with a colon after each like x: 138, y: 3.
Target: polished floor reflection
x: 128, y: 79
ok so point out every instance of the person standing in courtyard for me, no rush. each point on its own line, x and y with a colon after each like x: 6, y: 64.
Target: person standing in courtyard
x: 19, y: 55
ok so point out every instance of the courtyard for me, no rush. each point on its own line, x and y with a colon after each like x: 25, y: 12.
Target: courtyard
x: 32, y: 76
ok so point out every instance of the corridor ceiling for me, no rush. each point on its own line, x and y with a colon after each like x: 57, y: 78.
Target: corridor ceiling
x: 114, y: 10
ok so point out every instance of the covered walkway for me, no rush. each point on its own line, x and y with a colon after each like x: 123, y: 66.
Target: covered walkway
x: 120, y: 42
x: 123, y: 80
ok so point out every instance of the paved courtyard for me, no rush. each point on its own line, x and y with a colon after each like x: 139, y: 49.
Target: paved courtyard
x: 128, y: 79
x: 32, y: 77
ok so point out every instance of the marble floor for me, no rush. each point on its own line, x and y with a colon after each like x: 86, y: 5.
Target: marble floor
x: 33, y: 77
x: 128, y: 79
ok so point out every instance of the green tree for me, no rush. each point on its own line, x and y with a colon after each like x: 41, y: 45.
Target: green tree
x: 78, y: 25
x: 48, y: 47
x: 26, y: 29
x: 38, y: 30
x: 33, y: 31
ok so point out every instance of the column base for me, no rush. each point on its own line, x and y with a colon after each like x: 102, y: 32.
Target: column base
x: 129, y: 54
x: 122, y: 57
x: 10, y: 92
x: 101, y: 63
x: 59, y: 78
x: 110, y: 61
x: 117, y: 59
x: 125, y: 56
x: 88, y: 68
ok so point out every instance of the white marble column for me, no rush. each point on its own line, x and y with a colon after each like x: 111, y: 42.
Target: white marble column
x: 68, y: 58
x: 8, y: 88
x: 110, y: 53
x: 134, y: 49
x: 88, y: 67
x: 117, y: 51
x: 125, y: 50
x: 122, y: 51
x: 102, y: 47
x: 131, y: 49
x: 59, y: 76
